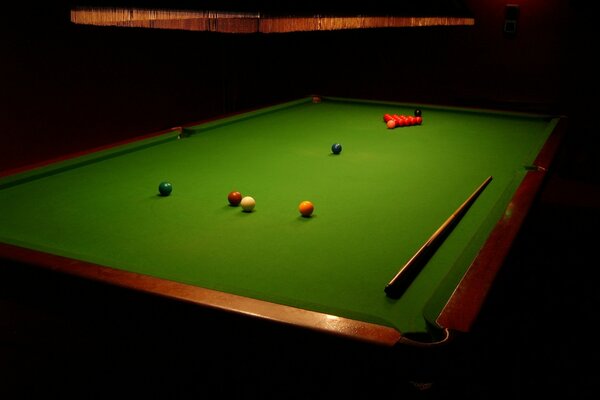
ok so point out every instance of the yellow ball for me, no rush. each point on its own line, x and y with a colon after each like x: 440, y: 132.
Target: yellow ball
x: 248, y: 203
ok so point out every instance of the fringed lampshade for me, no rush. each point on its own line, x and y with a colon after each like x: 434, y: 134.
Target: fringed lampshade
x: 274, y: 17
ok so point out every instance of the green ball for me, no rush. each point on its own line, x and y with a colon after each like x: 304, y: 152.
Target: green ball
x: 165, y: 188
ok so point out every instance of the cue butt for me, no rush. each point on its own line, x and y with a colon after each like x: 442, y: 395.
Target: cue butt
x: 402, y: 280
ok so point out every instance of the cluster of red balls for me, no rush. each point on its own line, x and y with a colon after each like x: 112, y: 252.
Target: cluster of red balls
x: 394, y: 120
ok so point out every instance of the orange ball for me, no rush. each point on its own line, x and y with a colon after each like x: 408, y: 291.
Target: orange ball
x: 391, y: 124
x: 306, y: 208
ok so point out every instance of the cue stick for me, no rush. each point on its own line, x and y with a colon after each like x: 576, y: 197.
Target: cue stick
x: 409, y: 271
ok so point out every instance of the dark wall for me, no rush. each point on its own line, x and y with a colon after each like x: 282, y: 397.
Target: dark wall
x: 66, y: 88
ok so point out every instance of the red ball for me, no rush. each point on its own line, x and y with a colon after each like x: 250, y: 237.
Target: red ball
x: 234, y: 198
x: 419, y: 120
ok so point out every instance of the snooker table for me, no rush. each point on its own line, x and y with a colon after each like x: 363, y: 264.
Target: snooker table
x: 99, y: 215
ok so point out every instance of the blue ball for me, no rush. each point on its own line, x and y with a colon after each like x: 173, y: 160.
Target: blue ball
x: 165, y: 188
x: 336, y: 148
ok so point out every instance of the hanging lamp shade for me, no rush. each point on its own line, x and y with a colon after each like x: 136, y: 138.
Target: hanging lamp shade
x: 271, y: 16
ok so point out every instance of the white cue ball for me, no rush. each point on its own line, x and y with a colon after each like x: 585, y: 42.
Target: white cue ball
x: 248, y: 203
